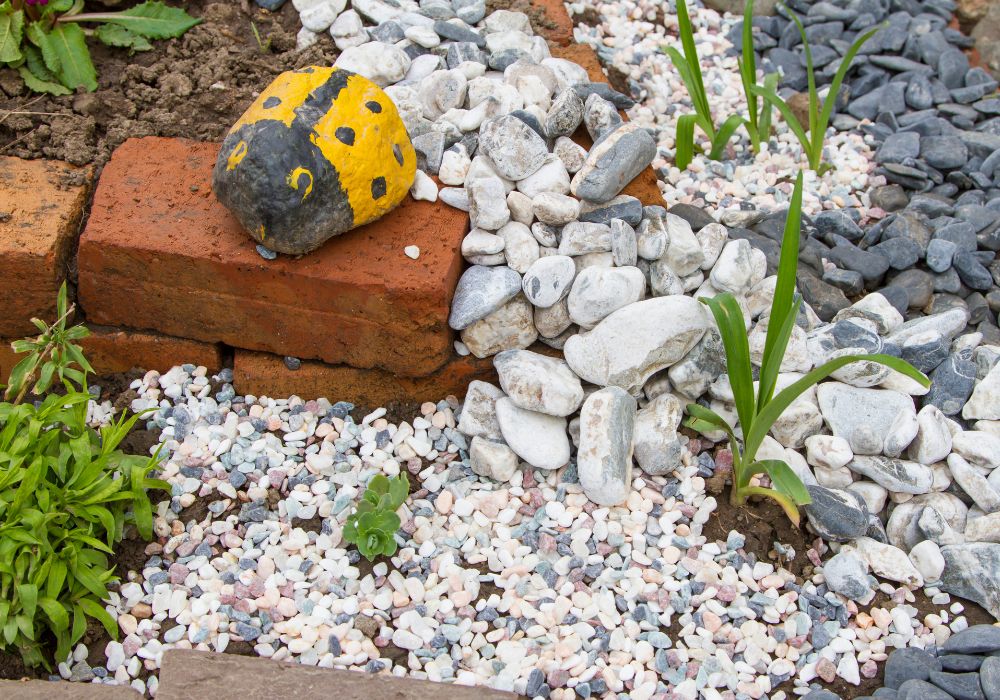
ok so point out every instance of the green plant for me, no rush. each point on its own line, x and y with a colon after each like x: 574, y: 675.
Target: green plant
x: 44, y: 42
x: 49, y: 356
x: 819, y: 114
x: 689, y: 67
x: 757, y: 413
x: 373, y: 524
x: 66, y: 495
x: 263, y: 45
x: 758, y: 121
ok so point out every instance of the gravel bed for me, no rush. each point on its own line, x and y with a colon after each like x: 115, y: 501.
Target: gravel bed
x: 555, y: 544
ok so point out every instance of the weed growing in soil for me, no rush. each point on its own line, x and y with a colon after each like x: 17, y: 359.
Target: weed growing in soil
x: 373, y: 524
x: 757, y: 413
x: 67, y: 494
x: 44, y: 42
x: 689, y: 67
x: 819, y: 114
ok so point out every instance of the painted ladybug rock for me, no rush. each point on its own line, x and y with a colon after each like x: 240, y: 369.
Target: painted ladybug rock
x: 321, y: 151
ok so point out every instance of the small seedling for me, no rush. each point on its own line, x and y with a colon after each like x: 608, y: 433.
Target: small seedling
x: 757, y: 413
x: 689, y: 67
x: 758, y: 121
x: 819, y: 114
x: 49, y: 356
x: 374, y: 523
x: 44, y: 41
x: 262, y: 44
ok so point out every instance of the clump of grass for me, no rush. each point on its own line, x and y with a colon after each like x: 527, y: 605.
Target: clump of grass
x: 812, y: 135
x: 689, y: 67
x: 759, y: 410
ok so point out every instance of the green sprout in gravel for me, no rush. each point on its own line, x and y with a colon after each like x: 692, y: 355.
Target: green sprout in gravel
x: 758, y: 121
x: 67, y: 493
x: 689, y: 67
x: 44, y: 40
x: 758, y: 412
x: 812, y: 135
x: 374, y: 523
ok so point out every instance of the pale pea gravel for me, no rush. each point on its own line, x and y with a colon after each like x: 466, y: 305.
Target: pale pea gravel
x: 630, y: 601
x: 631, y: 35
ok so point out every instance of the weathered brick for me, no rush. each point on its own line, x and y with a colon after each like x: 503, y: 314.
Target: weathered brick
x: 187, y: 675
x: 160, y: 252
x: 112, y: 350
x: 262, y: 374
x: 41, y: 202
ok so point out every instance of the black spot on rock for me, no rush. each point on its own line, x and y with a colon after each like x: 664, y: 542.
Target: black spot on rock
x: 378, y: 188
x: 397, y: 153
x: 345, y: 135
x: 373, y: 106
x: 272, y: 102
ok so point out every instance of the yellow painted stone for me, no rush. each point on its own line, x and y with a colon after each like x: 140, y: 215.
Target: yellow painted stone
x: 321, y: 151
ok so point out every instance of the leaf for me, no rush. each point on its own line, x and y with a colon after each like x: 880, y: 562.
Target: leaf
x: 97, y: 611
x: 379, y: 484
x: 27, y: 595
x: 783, y: 305
x: 75, y: 67
x: 685, y: 140
x: 40, y: 38
x: 764, y: 122
x: 691, y: 55
x: 399, y: 489
x: 36, y: 84
x: 11, y: 33
x: 152, y: 20
x: 19, y: 375
x: 717, y: 422
x: 723, y: 135
x: 838, y: 78
x: 774, y: 409
x: 117, y: 35
x: 787, y: 505
x: 786, y: 481
x: 387, y: 522
x: 771, y: 95
x: 732, y: 328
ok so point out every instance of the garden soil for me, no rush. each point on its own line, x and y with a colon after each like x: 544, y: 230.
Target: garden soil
x: 194, y: 87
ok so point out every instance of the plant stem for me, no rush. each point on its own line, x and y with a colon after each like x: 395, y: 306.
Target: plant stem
x: 29, y: 379
x: 90, y: 17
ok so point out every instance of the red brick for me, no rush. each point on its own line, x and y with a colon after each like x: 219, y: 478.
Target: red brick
x: 160, y: 252
x: 550, y: 19
x: 195, y: 675
x: 111, y: 350
x: 41, y: 203
x: 262, y: 374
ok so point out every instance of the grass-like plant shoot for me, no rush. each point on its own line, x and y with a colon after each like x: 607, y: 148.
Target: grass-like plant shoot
x: 757, y: 411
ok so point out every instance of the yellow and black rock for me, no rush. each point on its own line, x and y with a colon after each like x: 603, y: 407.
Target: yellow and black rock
x: 321, y: 151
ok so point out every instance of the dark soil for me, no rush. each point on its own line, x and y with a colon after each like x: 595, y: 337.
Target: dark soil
x: 763, y: 523
x: 194, y: 87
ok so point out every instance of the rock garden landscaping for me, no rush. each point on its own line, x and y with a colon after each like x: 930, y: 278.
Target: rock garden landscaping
x: 638, y: 349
